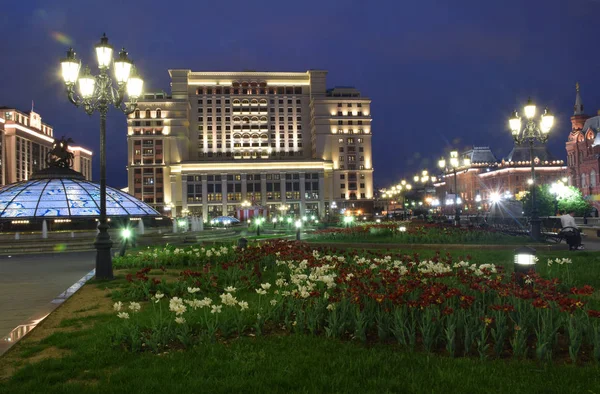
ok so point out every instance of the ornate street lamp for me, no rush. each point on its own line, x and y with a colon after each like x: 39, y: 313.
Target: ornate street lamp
x: 451, y: 165
x: 530, y: 132
x: 97, y: 93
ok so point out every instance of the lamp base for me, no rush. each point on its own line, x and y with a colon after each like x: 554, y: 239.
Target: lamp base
x: 103, y: 245
x: 536, y: 229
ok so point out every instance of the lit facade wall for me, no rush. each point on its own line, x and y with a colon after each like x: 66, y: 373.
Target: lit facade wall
x: 583, y: 154
x: 26, y: 141
x: 267, y: 137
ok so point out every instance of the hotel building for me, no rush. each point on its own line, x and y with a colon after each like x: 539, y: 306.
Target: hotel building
x: 24, y: 143
x: 273, y: 139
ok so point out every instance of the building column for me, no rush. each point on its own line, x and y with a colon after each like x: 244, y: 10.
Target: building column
x: 244, y: 187
x: 204, y: 197
x: 282, y: 186
x: 173, y: 182
x: 184, y: 194
x: 263, y: 189
x: 302, y: 194
x: 224, y: 192
x: 321, y: 194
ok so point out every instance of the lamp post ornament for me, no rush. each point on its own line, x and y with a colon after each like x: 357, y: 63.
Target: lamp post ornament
x: 97, y: 93
x: 529, y: 133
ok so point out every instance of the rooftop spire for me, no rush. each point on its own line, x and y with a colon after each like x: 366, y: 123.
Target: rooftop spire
x: 578, y: 103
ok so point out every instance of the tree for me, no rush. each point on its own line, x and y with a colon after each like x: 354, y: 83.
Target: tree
x: 545, y: 201
x: 570, y: 199
x: 557, y: 197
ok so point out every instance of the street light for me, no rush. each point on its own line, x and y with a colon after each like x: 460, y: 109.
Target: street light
x: 97, y: 93
x: 452, y: 164
x: 531, y: 132
x: 258, y: 222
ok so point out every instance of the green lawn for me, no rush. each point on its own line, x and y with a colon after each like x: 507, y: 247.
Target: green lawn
x: 282, y: 364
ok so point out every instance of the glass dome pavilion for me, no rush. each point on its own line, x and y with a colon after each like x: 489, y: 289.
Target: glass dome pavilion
x: 64, y: 193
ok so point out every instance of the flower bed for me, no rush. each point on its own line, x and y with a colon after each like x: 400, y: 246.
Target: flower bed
x: 439, y: 305
x: 415, y: 233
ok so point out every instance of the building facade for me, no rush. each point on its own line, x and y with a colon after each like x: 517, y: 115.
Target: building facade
x: 25, y: 141
x: 583, y: 153
x: 487, y: 177
x: 274, y: 139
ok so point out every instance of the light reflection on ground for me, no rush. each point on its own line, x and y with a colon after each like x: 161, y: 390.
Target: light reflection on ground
x: 20, y: 331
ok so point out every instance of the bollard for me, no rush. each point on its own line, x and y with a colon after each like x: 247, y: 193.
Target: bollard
x: 72, y: 234
x: 242, y: 243
x: 17, y: 235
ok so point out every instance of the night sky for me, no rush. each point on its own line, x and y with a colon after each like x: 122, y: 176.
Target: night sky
x: 442, y: 74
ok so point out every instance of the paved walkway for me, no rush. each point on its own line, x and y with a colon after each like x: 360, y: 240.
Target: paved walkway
x: 28, y: 284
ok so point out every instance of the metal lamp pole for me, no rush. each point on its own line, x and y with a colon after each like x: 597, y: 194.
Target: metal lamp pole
x: 97, y: 93
x: 531, y: 132
x: 452, y: 164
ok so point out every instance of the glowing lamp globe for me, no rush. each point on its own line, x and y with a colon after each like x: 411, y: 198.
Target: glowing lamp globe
x: 104, y: 52
x: 135, y: 84
x: 70, y: 67
x: 529, y: 109
x: 514, y: 123
x: 122, y: 67
x: 87, y: 84
x: 547, y: 121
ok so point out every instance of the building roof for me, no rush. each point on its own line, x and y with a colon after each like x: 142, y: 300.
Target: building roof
x: 578, y: 107
x: 481, y: 154
x: 521, y: 153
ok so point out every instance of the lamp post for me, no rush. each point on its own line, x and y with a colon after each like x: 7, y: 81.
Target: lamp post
x: 97, y: 93
x: 530, y: 132
x: 298, y: 227
x: 452, y: 164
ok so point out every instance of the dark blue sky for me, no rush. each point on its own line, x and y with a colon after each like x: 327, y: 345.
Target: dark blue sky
x: 441, y: 74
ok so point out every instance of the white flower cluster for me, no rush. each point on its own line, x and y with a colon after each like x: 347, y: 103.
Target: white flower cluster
x: 134, y: 307
x: 559, y: 261
x: 430, y: 267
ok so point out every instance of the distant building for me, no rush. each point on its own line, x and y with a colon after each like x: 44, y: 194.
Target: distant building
x: 583, y: 153
x: 24, y: 143
x: 274, y: 139
x: 488, y: 176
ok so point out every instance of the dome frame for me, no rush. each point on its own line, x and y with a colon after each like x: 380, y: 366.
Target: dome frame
x: 66, y: 197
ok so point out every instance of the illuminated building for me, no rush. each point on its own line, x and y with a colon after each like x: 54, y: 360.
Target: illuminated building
x: 583, y: 152
x: 25, y: 142
x: 270, y: 138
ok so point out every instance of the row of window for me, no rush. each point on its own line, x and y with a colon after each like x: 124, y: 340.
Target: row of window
x: 349, y: 105
x: 249, y: 177
x: 350, y: 158
x: 351, y: 186
x: 148, y: 114
x: 350, y: 140
x: 349, y: 123
x: 350, y: 167
x: 250, y: 90
x: 147, y: 123
x: 352, y: 149
x: 352, y: 196
x: 340, y: 113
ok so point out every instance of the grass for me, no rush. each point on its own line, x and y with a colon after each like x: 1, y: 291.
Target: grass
x: 75, y: 355
x: 278, y: 364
